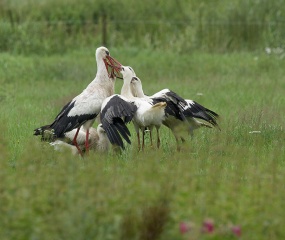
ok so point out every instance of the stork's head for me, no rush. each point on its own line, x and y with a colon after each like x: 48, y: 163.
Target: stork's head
x: 127, y: 73
x: 136, y: 81
x: 102, y: 52
x: 136, y: 87
x: 113, y: 66
x: 100, y: 129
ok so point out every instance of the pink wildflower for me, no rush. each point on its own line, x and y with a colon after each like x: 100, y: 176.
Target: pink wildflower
x: 236, y: 230
x: 208, y: 226
x: 184, y: 227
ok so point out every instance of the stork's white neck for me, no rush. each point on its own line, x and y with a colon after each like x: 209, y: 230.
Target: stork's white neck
x: 102, y: 78
x: 126, y: 89
x: 137, y: 90
x: 102, y: 73
x: 103, y: 143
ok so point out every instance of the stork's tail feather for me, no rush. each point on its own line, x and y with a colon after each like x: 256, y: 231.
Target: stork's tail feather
x: 40, y: 130
x: 46, y: 132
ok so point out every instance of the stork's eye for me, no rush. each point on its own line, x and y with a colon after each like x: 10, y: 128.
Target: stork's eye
x: 107, y: 53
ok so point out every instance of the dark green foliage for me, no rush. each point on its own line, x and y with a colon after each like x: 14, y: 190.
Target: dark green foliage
x: 147, y: 222
x: 47, y: 27
x: 154, y: 219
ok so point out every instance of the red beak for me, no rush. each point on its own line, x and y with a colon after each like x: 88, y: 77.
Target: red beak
x: 115, y: 66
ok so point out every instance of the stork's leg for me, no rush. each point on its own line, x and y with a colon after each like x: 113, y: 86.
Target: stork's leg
x: 139, y: 141
x: 178, y: 148
x: 143, y: 139
x: 75, y: 142
x: 158, y: 138
x: 87, y: 141
x: 150, y: 136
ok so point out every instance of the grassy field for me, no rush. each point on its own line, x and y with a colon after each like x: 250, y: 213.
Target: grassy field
x: 232, y: 177
x: 52, y: 26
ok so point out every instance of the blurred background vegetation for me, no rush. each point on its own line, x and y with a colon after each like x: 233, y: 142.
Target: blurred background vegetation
x: 52, y: 26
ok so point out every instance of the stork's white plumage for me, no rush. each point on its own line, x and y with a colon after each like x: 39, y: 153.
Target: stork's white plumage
x: 103, y: 143
x: 127, y: 107
x: 98, y: 140
x: 60, y: 146
x: 148, y: 115
x: 178, y: 110
x: 83, y: 109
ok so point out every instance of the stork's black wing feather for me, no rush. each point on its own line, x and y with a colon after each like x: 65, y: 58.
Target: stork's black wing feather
x: 198, y: 111
x: 66, y: 108
x: 175, y: 104
x: 113, y: 117
x: 64, y: 123
x: 124, y: 131
x: 175, y: 98
x: 210, y: 112
x: 114, y: 137
x: 171, y: 109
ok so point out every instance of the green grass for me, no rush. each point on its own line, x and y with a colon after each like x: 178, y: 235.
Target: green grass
x: 51, y: 26
x: 232, y: 176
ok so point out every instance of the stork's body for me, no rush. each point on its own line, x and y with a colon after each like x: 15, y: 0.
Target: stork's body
x: 181, y: 113
x: 98, y: 140
x: 128, y: 107
x: 83, y: 109
x: 148, y: 114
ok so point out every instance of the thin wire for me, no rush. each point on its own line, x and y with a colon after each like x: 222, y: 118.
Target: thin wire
x: 151, y: 22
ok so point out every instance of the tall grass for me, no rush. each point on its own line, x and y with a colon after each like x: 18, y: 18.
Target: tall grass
x: 231, y: 176
x: 47, y: 27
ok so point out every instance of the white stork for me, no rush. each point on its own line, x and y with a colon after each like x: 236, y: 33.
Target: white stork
x: 83, y: 109
x: 148, y: 115
x: 98, y: 140
x: 60, y: 146
x: 181, y: 113
x: 127, y: 107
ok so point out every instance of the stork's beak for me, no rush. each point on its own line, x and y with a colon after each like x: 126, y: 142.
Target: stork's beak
x: 115, y: 66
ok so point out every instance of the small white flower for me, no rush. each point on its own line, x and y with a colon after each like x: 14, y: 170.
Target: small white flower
x: 277, y: 50
x: 255, y: 132
x: 268, y: 50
